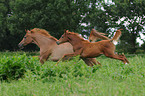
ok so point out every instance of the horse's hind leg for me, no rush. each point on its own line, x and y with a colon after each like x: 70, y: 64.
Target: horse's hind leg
x: 111, y: 54
x: 115, y: 56
x: 123, y: 56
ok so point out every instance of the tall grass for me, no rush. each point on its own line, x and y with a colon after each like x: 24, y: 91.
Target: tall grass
x: 71, y: 78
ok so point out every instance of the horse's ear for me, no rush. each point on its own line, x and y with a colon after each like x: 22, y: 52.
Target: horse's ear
x: 67, y: 30
x: 28, y: 31
x: 93, y: 30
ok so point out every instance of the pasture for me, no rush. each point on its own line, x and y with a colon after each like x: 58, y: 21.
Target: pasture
x: 21, y: 74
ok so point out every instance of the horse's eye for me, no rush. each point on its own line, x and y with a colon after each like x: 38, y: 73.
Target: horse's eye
x: 62, y: 37
x: 24, y: 37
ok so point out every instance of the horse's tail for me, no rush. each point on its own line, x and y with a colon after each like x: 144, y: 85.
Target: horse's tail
x: 116, y: 36
x: 99, y: 35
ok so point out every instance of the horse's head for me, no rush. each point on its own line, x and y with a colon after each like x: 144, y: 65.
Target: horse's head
x: 92, y: 38
x: 64, y: 38
x: 95, y: 35
x: 26, y: 39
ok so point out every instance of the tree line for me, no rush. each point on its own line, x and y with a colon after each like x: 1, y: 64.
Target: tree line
x: 57, y: 15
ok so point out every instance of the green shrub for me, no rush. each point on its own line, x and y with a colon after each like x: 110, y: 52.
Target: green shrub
x: 14, y: 67
x: 64, y: 70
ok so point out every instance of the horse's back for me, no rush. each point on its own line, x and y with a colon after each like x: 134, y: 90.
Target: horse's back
x: 97, y: 48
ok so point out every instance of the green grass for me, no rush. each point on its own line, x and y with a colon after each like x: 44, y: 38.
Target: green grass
x: 73, y: 78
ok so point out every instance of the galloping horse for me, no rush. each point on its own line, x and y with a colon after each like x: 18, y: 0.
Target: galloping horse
x: 94, y: 35
x: 48, y: 47
x: 47, y: 44
x: 87, y: 49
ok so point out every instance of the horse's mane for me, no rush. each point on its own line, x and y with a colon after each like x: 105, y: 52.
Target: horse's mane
x: 78, y: 35
x: 42, y: 32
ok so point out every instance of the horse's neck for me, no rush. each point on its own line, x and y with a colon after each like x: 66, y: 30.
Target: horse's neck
x: 43, y: 42
x: 75, y: 40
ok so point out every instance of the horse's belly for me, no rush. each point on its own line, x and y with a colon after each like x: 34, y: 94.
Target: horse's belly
x: 92, y: 51
x: 90, y: 54
x: 60, y: 50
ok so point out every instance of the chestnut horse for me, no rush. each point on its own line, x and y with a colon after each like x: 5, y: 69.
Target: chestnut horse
x: 48, y: 47
x: 87, y: 49
x: 95, y: 35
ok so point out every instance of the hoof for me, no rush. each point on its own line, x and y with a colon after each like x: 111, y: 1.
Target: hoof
x: 126, y: 63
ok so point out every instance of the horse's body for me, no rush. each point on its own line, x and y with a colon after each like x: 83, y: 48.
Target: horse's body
x: 87, y: 49
x: 48, y: 47
x: 94, y: 35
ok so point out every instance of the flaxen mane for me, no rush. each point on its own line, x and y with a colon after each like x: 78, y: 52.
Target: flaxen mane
x: 42, y: 32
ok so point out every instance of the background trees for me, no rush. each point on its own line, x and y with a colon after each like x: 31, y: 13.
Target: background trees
x: 57, y: 15
x: 5, y: 36
x: 129, y: 15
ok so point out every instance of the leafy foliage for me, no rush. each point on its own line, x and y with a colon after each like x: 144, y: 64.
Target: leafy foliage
x: 70, y: 77
x: 17, y: 66
x: 57, y: 15
x: 14, y: 67
x: 54, y: 16
x: 128, y: 15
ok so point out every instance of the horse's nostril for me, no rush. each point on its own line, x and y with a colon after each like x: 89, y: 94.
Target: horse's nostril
x: 20, y: 46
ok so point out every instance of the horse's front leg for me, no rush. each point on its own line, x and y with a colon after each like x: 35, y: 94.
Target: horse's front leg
x: 94, y: 61
x: 44, y: 57
x: 90, y: 61
x: 78, y: 52
x: 65, y: 55
x: 87, y: 61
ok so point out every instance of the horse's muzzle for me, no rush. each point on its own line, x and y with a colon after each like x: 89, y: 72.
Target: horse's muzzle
x: 57, y: 42
x: 20, y: 46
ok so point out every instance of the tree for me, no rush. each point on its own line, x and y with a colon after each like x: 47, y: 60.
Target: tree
x: 52, y: 15
x: 126, y: 14
x: 132, y: 13
x: 4, y: 30
x: 57, y: 15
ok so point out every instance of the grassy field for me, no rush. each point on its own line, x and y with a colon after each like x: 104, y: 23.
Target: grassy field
x: 21, y: 74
